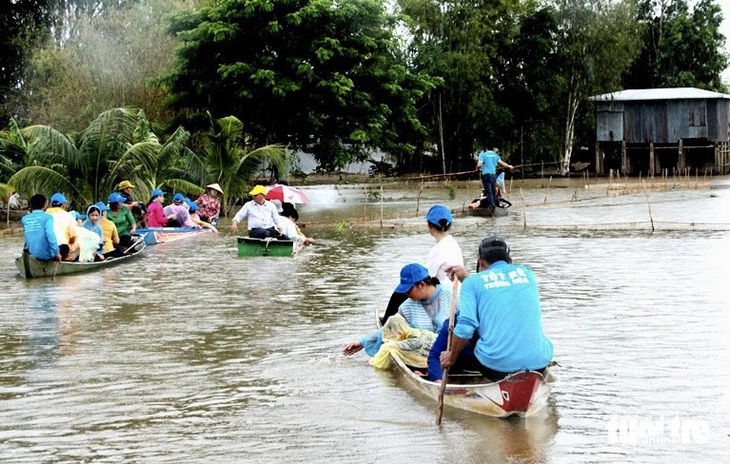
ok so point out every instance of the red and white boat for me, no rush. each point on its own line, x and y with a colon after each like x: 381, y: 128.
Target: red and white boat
x: 520, y: 394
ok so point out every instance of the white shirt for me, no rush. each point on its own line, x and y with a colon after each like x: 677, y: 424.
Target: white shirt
x: 290, y: 229
x: 444, y: 254
x: 259, y: 216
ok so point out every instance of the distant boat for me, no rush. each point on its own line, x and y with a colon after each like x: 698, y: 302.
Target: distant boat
x: 31, y: 267
x: 521, y: 394
x: 156, y: 235
x: 249, y: 246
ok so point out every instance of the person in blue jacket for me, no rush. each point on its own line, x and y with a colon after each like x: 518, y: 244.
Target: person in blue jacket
x: 501, y: 304
x: 40, y: 239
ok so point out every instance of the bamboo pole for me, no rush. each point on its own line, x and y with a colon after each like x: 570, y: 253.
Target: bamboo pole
x: 418, y: 200
x: 648, y: 204
x: 548, y: 189
x: 431, y: 176
x: 7, y: 217
x: 524, y: 211
x: 381, y: 206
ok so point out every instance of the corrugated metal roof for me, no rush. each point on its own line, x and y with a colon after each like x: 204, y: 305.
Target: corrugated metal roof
x: 677, y: 93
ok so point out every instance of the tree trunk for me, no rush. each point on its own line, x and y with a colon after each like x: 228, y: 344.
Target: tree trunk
x: 574, y: 96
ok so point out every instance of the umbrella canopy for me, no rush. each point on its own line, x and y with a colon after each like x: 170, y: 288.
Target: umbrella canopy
x: 286, y: 194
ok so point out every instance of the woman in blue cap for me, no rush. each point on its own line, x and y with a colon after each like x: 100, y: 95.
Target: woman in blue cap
x: 426, y: 308
x: 122, y: 217
x: 445, y: 253
x: 155, y: 216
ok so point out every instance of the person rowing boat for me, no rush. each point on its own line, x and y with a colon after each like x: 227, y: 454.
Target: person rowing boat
x: 500, y: 304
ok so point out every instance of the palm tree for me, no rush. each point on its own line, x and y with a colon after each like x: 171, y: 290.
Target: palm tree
x: 118, y: 145
x: 234, y: 165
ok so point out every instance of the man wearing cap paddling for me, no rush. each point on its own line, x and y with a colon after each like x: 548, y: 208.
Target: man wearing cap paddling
x: 263, y: 219
x: 500, y: 304
x: 209, y: 206
x: 488, y: 162
x: 64, y: 225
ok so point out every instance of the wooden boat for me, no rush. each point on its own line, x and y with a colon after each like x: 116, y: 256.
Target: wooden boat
x: 155, y: 235
x: 488, y: 212
x: 31, y: 267
x: 521, y: 394
x: 249, y: 246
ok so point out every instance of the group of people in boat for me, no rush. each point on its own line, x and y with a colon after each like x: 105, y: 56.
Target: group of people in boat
x: 270, y: 219
x: 498, y: 329
x: 107, y: 230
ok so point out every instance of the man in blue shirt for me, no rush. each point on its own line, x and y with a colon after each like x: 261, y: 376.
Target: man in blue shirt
x: 501, y: 304
x: 488, y: 162
x: 40, y: 239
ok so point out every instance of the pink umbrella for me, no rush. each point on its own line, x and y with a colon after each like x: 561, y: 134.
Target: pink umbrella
x: 286, y: 194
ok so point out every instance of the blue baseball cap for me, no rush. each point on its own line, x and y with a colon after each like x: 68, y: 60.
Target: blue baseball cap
x: 116, y: 198
x: 410, y: 275
x: 193, y: 206
x: 102, y: 207
x: 438, y: 212
x: 178, y: 198
x: 157, y: 193
x: 58, y: 199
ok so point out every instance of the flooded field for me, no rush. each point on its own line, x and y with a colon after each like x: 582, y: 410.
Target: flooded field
x: 191, y: 354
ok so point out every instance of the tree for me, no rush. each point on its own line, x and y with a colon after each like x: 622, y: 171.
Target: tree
x: 118, y: 145
x: 320, y: 75
x: 234, y: 165
x: 681, y: 48
x: 462, y: 43
x: 109, y: 57
x: 598, y: 44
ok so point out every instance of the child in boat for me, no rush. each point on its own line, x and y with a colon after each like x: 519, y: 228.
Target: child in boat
x: 92, y: 224
x: 196, y: 219
x: 412, y: 331
x: 446, y: 252
x: 289, y: 216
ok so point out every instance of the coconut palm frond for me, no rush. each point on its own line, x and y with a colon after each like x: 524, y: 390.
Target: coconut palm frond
x: 107, y: 138
x: 137, y: 161
x: 7, y: 167
x: 47, y: 146
x: 40, y: 179
x: 182, y: 185
x: 5, y: 190
x: 142, y: 131
x: 175, y: 145
x: 269, y: 155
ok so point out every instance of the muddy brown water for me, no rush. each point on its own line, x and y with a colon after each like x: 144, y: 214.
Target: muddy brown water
x: 193, y: 355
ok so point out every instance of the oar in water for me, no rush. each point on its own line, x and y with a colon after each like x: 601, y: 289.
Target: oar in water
x: 445, y: 378
x: 55, y: 268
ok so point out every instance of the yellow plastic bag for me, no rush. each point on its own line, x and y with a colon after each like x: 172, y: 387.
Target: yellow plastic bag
x: 400, y: 339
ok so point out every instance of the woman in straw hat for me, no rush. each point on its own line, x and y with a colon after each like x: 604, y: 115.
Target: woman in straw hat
x: 209, y: 206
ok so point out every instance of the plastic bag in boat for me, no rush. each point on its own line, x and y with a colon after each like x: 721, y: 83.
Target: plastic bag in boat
x: 411, y: 345
x: 89, y: 243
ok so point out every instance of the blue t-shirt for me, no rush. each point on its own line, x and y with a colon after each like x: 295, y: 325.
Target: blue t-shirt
x: 40, y: 239
x: 489, y: 161
x: 503, y: 304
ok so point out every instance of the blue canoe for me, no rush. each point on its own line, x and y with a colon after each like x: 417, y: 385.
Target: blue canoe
x: 155, y: 235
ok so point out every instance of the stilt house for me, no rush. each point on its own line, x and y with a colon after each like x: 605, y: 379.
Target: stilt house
x: 655, y: 130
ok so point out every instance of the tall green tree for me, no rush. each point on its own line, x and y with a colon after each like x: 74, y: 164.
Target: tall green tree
x: 597, y: 44
x: 320, y: 75
x: 681, y: 46
x: 465, y: 45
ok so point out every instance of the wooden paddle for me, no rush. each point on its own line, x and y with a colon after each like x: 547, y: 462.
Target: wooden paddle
x: 141, y: 237
x: 445, y: 378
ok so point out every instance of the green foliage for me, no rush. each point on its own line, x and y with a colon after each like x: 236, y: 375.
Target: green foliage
x: 313, y: 74
x: 110, y: 58
x: 450, y: 189
x: 681, y: 47
x: 117, y: 145
x: 234, y: 164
